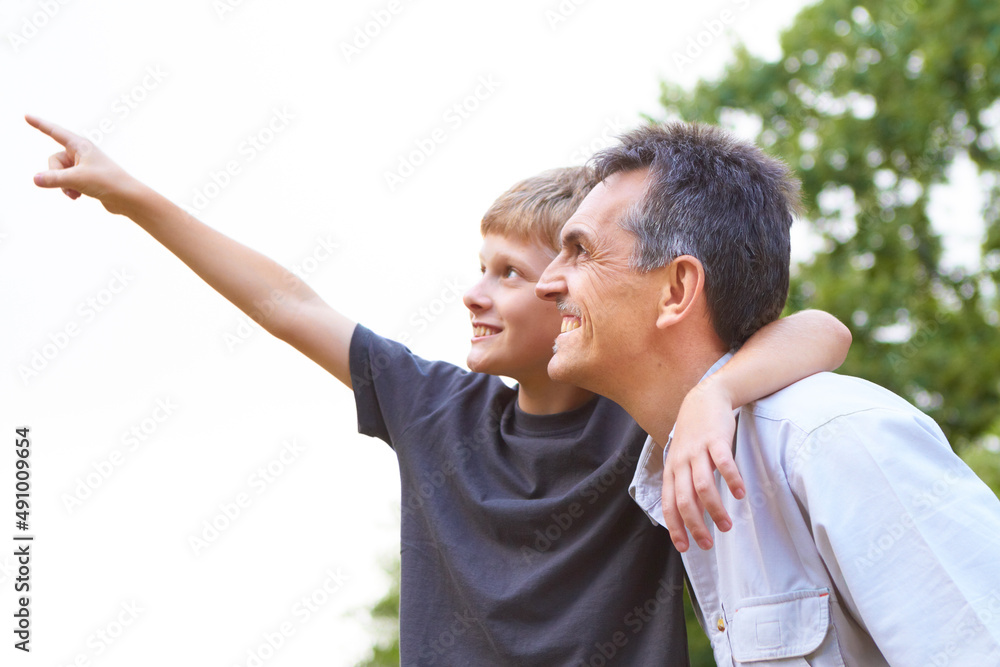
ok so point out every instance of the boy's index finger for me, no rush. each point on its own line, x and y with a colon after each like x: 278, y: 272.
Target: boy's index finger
x: 63, y: 136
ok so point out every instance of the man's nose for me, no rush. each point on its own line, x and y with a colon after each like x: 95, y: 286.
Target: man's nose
x: 552, y: 284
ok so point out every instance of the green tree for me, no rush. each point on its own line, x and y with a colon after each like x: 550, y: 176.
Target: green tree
x: 385, y: 618
x: 872, y: 102
x: 699, y: 647
x: 986, y: 464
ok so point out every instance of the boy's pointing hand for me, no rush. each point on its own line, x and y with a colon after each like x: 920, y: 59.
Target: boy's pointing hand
x: 81, y: 168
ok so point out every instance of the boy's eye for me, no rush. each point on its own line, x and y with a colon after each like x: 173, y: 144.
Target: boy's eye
x: 510, y: 272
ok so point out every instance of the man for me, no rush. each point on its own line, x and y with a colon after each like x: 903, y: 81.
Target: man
x: 863, y: 539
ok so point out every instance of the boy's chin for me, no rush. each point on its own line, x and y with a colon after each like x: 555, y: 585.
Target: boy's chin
x: 478, y: 364
x: 474, y: 363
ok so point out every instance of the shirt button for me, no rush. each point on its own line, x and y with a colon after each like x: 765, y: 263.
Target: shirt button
x: 721, y: 625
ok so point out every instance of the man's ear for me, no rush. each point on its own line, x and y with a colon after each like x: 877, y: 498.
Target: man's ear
x: 682, y: 290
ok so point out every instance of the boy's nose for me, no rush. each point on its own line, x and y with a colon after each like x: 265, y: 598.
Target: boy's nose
x: 475, y: 299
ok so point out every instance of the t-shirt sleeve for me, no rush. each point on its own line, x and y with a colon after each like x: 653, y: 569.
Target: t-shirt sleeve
x: 394, y: 388
x: 909, y: 533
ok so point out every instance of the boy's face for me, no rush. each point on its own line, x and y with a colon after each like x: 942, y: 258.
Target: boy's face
x: 513, y: 329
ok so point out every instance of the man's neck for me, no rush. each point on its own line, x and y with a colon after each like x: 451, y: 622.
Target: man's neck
x: 654, y: 396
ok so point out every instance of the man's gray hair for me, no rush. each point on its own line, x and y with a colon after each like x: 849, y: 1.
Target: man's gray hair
x: 721, y: 200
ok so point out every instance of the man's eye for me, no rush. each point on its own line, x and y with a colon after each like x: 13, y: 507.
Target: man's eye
x: 482, y: 269
x: 580, y: 250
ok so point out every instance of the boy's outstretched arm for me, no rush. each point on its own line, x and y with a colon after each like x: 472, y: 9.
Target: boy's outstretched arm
x: 270, y: 294
x: 783, y: 352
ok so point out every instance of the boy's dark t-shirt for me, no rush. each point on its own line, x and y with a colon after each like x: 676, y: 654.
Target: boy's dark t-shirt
x: 520, y: 544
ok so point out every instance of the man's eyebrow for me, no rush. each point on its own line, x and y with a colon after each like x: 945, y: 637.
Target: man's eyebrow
x: 575, y: 235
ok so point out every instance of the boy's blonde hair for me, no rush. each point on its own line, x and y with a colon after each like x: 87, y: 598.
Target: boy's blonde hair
x: 537, y: 208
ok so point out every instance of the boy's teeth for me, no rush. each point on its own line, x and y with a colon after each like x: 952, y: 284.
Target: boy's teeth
x: 569, y: 324
x: 482, y: 331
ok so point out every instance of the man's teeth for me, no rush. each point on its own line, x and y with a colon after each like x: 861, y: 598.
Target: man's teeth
x: 568, y: 324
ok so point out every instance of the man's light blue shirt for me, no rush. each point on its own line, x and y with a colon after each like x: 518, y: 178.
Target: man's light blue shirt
x: 863, y: 538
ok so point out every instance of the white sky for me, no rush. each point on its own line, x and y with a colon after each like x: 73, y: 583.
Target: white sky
x: 559, y: 91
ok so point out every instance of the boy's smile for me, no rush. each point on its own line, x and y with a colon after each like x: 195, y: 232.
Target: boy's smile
x: 483, y: 330
x: 512, y: 329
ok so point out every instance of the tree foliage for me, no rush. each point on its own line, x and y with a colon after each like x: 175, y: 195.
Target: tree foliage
x: 873, y: 102
x: 385, y: 618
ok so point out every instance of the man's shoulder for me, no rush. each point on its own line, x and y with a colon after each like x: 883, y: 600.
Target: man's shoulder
x: 818, y: 399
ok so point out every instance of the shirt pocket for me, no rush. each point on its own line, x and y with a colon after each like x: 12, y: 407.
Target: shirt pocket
x: 781, y: 629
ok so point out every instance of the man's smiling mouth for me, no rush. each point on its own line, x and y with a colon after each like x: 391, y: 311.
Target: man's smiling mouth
x: 569, y: 322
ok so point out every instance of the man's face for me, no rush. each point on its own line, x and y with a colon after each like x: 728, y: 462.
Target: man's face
x: 512, y: 328
x: 609, y: 311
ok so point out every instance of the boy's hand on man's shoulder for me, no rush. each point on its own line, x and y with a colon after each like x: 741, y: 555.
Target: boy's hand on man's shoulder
x: 702, y: 443
x: 82, y: 168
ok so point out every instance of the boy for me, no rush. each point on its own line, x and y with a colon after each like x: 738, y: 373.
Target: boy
x: 520, y: 544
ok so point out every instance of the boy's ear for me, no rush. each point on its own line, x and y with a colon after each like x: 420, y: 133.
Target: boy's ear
x: 683, y: 287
